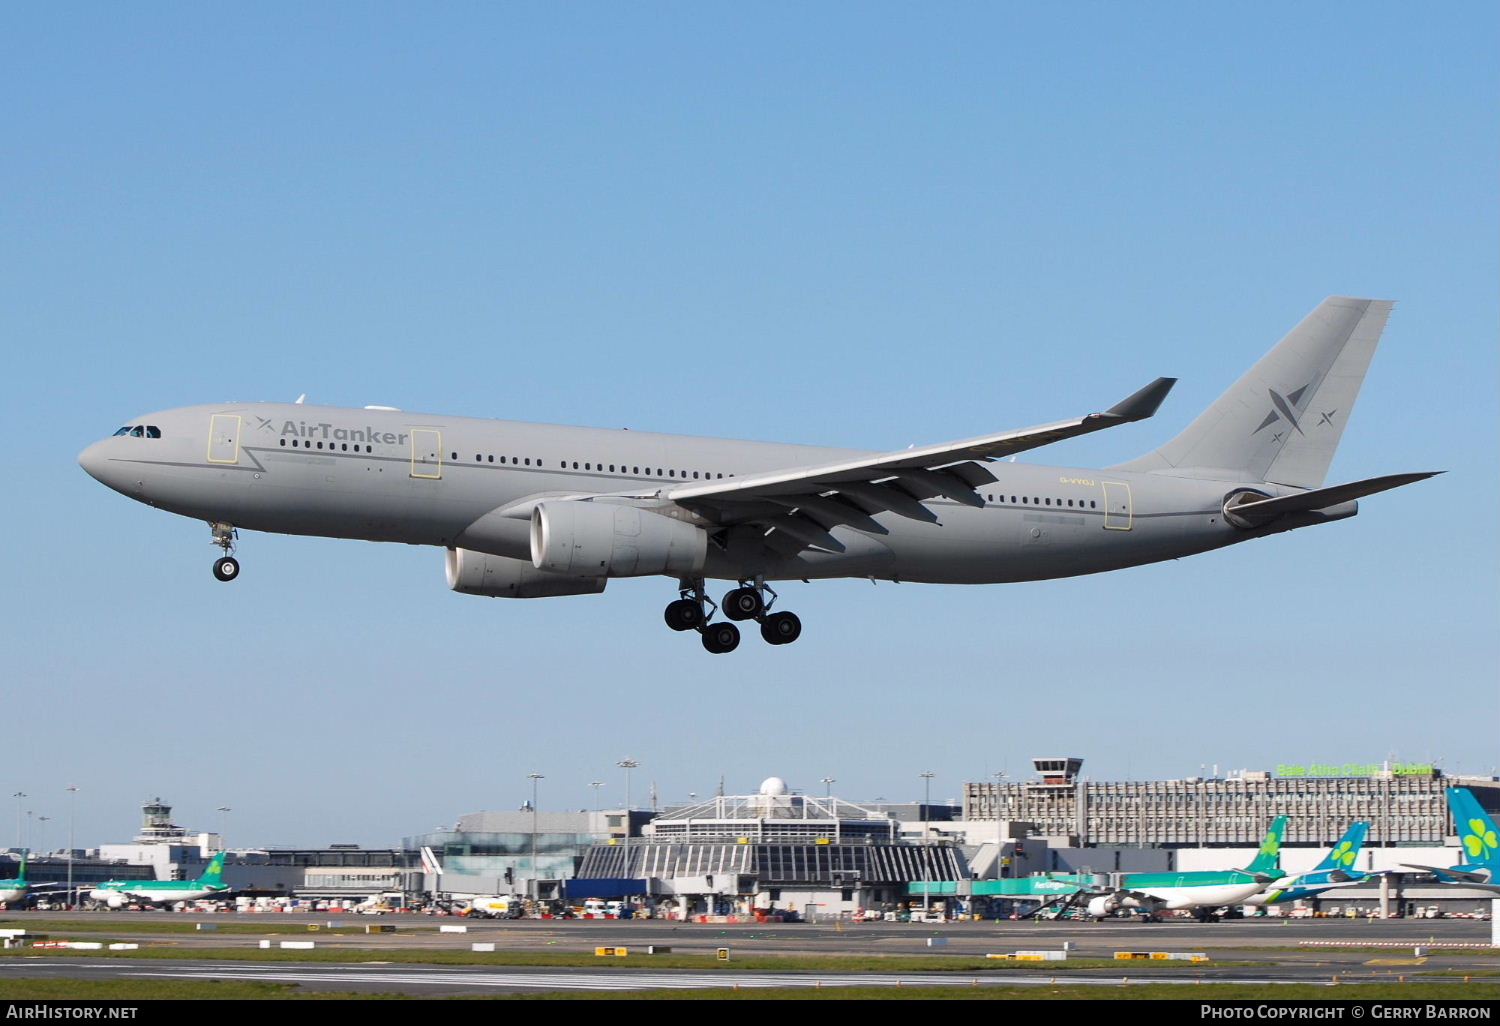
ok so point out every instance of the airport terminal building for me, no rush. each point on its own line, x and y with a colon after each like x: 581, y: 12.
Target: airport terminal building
x: 1405, y: 805
x: 773, y: 850
x: 780, y: 850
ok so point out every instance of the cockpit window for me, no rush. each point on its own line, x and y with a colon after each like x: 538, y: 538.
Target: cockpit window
x: 152, y: 431
x: 123, y: 431
x: 137, y: 432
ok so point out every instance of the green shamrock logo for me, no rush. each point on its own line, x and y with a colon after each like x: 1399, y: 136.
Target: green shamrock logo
x: 1481, y: 840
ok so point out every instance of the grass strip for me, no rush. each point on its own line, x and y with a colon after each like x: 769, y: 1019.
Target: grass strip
x: 23, y: 989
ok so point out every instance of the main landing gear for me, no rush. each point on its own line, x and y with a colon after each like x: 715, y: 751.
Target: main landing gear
x: 694, y: 611
x: 226, y: 567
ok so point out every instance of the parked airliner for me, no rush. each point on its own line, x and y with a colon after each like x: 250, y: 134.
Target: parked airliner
x: 533, y: 510
x: 119, y: 893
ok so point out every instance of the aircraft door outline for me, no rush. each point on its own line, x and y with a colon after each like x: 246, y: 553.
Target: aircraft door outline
x: 1119, y: 506
x: 224, y: 438
x: 427, y: 453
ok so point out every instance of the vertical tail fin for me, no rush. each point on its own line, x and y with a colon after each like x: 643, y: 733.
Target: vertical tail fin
x: 1476, y: 830
x: 1283, y: 419
x: 1270, y: 849
x: 214, y: 872
x: 1344, y: 853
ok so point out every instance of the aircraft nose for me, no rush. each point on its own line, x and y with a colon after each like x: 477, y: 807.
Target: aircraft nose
x: 92, y: 461
x: 96, y: 462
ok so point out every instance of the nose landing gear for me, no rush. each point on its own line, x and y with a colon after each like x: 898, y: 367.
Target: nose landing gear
x: 226, y: 567
x: 694, y: 610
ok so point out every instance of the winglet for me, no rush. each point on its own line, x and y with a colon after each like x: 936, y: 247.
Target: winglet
x: 1142, y: 404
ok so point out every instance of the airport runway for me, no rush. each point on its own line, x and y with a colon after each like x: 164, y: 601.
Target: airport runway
x: 1259, y: 940
x: 435, y: 980
x: 1088, y: 939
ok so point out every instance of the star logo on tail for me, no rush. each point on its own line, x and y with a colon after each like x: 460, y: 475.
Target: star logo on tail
x: 1284, y: 407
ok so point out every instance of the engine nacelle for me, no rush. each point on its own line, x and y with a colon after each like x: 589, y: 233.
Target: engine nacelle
x: 114, y: 899
x: 478, y: 573
x: 614, y: 540
x: 1103, y: 905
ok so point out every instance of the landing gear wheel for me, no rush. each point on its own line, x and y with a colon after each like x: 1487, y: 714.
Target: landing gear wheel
x: 781, y: 628
x: 743, y: 604
x: 226, y: 568
x: 719, y: 638
x: 684, y: 615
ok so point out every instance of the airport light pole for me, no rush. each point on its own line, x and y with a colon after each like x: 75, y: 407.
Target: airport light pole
x: 999, y: 776
x: 72, y: 790
x: 20, y: 796
x: 536, y: 886
x: 223, y: 811
x: 596, y: 784
x: 828, y: 783
x: 926, y: 845
x: 627, y: 765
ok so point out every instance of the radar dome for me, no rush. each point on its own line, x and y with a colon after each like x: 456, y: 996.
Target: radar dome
x: 773, y: 786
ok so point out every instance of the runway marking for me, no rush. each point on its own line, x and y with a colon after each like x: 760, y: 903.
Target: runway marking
x: 653, y: 981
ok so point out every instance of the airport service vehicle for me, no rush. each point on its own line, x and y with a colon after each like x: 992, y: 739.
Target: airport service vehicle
x: 534, y: 510
x: 121, y: 893
x: 496, y: 907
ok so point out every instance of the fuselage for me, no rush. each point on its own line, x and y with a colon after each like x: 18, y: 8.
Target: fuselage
x: 154, y: 891
x: 1303, y: 886
x: 388, y: 475
x: 1188, y: 890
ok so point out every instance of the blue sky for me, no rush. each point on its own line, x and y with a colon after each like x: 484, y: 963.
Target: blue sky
x: 851, y: 224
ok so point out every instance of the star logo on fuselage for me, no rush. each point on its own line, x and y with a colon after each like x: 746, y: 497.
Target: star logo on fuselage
x: 1284, y: 407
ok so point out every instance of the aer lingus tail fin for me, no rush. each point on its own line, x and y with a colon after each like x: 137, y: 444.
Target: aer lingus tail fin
x: 214, y: 873
x: 1476, y: 830
x: 1266, y: 859
x: 1344, y: 853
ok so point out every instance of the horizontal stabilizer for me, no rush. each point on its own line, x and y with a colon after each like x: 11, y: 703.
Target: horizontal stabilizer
x: 1453, y: 873
x: 1321, y: 498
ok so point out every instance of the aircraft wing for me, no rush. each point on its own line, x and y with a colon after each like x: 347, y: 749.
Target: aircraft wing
x: 803, y: 504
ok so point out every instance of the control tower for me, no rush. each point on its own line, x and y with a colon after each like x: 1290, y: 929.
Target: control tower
x: 1056, y: 772
x: 157, y: 826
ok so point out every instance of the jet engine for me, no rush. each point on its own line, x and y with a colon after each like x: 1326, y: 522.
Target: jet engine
x: 614, y: 540
x: 114, y: 899
x: 478, y: 573
x: 1103, y: 905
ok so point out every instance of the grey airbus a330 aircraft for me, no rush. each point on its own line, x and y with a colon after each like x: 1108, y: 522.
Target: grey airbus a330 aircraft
x: 537, y: 510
